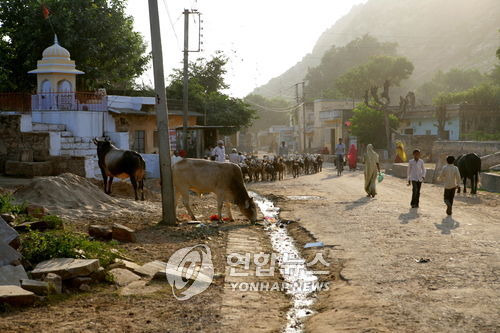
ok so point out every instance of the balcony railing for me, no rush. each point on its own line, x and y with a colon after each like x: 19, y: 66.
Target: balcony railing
x: 69, y: 101
x: 17, y: 102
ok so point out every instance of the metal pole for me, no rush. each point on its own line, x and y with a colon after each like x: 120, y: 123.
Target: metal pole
x: 167, y: 188
x: 304, y: 112
x: 185, y: 80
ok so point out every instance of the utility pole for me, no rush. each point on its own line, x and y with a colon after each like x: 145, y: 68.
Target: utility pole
x: 304, y: 112
x: 185, y: 80
x: 167, y: 188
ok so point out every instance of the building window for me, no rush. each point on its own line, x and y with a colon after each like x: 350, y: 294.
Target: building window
x: 408, y: 131
x: 419, y: 123
x: 140, y: 141
x: 449, y: 123
x: 428, y: 132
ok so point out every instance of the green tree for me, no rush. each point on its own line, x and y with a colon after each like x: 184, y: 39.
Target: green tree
x: 206, y: 94
x: 369, y: 127
x: 98, y: 34
x: 452, y: 81
x: 338, y: 60
x: 379, y: 72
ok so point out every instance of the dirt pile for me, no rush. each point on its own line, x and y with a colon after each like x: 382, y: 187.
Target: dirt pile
x: 72, y: 196
x: 67, y: 191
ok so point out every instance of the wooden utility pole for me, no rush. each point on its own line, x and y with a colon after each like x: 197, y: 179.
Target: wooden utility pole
x: 185, y: 80
x: 167, y: 188
x: 304, y: 113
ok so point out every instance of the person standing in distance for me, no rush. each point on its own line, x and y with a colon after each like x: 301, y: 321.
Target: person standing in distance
x: 415, y: 175
x: 450, y: 175
x: 340, y: 152
x: 219, y: 152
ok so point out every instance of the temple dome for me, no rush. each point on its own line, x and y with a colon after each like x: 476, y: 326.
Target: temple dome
x: 56, y: 51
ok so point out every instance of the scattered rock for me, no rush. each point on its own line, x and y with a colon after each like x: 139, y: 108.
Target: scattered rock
x: 123, y: 277
x: 139, y: 287
x: 84, y: 287
x: 123, y: 234
x: 153, y: 267
x: 79, y: 281
x: 38, y: 287
x: 7, y: 254
x: 9, y: 218
x: 132, y: 266
x: 101, y: 232
x: 35, y: 225
x: 12, y: 275
x: 7, y: 233
x: 36, y: 211
x: 15, y: 244
x: 55, y: 283
x: 66, y: 268
x: 16, y: 296
x: 99, y: 275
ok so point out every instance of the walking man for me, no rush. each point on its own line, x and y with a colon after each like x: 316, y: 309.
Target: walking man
x: 450, y: 175
x: 415, y: 176
x: 219, y: 152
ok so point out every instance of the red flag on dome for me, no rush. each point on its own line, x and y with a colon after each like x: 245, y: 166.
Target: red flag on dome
x: 45, y: 12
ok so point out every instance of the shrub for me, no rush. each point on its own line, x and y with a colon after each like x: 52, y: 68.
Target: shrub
x: 7, y: 205
x: 40, y: 246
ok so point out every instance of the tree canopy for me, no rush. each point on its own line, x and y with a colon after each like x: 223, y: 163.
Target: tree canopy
x: 369, y: 127
x: 379, y: 71
x: 98, y: 34
x: 454, y: 80
x: 338, y: 60
x: 206, y: 94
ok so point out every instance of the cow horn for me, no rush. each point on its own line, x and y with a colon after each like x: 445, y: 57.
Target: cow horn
x: 94, y: 140
x: 107, y: 139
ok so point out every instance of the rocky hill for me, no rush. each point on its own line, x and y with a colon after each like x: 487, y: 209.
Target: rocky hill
x: 433, y: 34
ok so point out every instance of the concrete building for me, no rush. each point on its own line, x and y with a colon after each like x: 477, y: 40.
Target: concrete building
x: 421, y: 120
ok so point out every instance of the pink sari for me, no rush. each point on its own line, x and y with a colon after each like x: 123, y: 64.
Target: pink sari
x: 352, y: 157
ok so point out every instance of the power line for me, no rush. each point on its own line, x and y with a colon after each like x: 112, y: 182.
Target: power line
x: 171, y: 23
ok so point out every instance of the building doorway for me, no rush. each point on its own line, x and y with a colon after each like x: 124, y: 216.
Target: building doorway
x: 332, y: 140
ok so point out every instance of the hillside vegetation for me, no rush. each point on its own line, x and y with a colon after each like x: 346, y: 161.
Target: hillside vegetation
x: 430, y: 33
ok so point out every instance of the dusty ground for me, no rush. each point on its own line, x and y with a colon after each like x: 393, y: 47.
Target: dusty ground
x: 104, y: 309
x: 379, y: 241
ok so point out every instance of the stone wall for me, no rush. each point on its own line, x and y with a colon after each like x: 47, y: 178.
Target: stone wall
x: 462, y: 147
x: 19, y: 146
x: 423, y: 142
x: 490, y: 182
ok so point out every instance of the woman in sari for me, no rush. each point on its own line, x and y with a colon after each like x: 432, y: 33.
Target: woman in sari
x: 372, y: 168
x: 352, y: 157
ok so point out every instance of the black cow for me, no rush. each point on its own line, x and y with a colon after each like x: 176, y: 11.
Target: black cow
x: 469, y: 166
x: 115, y: 162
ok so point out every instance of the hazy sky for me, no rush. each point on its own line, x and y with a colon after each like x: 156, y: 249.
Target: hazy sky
x: 262, y: 37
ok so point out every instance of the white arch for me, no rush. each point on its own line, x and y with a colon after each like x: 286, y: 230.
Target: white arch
x: 64, y: 86
x: 46, y: 86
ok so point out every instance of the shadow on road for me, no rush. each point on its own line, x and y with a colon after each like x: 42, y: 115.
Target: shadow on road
x: 407, y: 217
x: 470, y: 199
x: 358, y: 203
x: 447, y: 225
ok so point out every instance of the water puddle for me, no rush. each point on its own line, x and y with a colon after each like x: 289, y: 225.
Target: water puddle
x: 302, y: 282
x: 303, y: 197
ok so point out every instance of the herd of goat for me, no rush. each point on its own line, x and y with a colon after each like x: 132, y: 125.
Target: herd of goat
x: 255, y: 169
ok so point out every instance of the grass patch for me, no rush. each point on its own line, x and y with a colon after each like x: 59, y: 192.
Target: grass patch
x: 39, y: 246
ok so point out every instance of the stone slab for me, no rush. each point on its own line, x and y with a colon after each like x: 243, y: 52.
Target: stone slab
x: 490, y: 182
x: 66, y: 268
x: 153, y: 267
x: 12, y: 275
x: 123, y: 277
x: 16, y: 296
x: 139, y: 287
x: 38, y: 287
x: 7, y: 233
x: 100, y: 232
x: 123, y: 234
x: 8, y: 255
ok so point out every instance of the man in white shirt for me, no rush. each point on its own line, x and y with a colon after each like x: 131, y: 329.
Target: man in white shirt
x: 340, y: 152
x: 450, y: 175
x: 219, y: 152
x: 415, y: 176
x: 234, y: 157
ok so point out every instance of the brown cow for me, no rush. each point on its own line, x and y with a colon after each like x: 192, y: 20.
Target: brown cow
x: 222, y: 178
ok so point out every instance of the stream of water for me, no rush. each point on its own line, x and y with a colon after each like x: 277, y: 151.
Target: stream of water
x: 302, y: 282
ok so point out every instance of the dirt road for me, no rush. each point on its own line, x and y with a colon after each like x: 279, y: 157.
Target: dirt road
x: 455, y: 289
